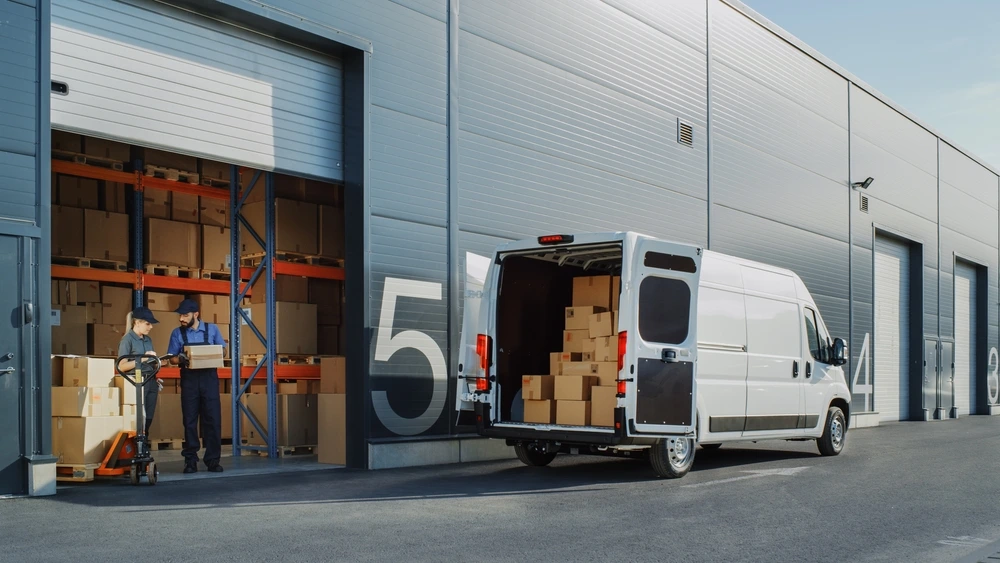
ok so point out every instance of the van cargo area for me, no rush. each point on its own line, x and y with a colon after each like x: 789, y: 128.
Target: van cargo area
x: 547, y: 365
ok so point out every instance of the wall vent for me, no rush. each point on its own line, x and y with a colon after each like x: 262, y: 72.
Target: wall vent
x: 685, y: 133
x: 864, y: 204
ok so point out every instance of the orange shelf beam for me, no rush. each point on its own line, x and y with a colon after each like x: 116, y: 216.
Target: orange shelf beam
x: 94, y: 172
x: 281, y: 372
x: 183, y: 187
x: 94, y: 274
x: 304, y: 270
x: 218, y: 287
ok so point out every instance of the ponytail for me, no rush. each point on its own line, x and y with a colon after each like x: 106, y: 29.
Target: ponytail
x: 129, y: 321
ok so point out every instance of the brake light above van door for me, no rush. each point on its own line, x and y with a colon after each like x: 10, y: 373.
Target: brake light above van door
x: 484, y: 349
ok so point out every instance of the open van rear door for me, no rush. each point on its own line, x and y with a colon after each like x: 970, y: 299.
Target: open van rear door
x: 663, y: 335
x: 476, y: 268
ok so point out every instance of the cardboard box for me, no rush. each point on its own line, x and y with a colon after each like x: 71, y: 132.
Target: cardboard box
x: 227, y: 415
x: 56, y: 370
x: 69, y: 340
x: 170, y: 387
x: 578, y: 318
x: 84, y: 440
x: 214, y: 212
x: 307, y: 387
x: 86, y: 401
x: 106, y: 235
x: 130, y: 417
x: 290, y: 289
x: 592, y: 290
x: 603, y: 401
x: 78, y: 192
x: 602, y: 324
x: 215, y: 170
x: 589, y: 346
x: 331, y: 231
x: 117, y: 303
x: 332, y: 429
x: 225, y: 329
x: 102, y: 148
x: 540, y: 412
x: 126, y: 391
x: 556, y: 359
x: 204, y: 356
x: 168, y: 419
x: 296, y: 224
x: 68, y: 292
x: 328, y: 296
x: 104, y: 339
x: 160, y: 335
x: 73, y: 315
x: 328, y: 340
x: 297, y: 419
x: 574, y: 387
x: 215, y: 309
x: 156, y: 203
x: 537, y: 387
x: 605, y: 372
x: 163, y: 302
x: 606, y: 349
x: 573, y: 340
x: 88, y: 372
x: 165, y: 159
x: 333, y: 375
x: 215, y: 246
x: 172, y: 243
x: 296, y: 328
x: 95, y: 313
x: 185, y: 208
x: 573, y: 413
x: 288, y: 388
x: 67, y: 231
x: 67, y: 142
x: 86, y: 292
x: 113, y: 198
x: 616, y: 290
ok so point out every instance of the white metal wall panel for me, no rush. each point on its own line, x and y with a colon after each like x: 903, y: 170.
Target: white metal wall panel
x: 892, y: 321
x: 159, y: 77
x: 965, y: 338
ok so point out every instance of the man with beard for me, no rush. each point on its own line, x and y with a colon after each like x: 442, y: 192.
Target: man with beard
x: 199, y: 389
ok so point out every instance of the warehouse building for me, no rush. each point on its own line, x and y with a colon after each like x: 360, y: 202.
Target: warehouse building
x: 420, y: 134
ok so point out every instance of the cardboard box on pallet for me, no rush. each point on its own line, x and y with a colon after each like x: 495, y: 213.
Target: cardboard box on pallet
x: 297, y: 419
x: 86, y: 401
x: 331, y: 231
x: 67, y: 231
x: 156, y: 203
x: 117, y: 303
x: 84, y: 440
x: 104, y: 339
x: 540, y: 412
x: 88, y: 372
x: 290, y: 289
x: 168, y: 420
x: 172, y: 243
x: 70, y: 340
x: 126, y: 391
x: 328, y: 340
x: 215, y: 309
x: 163, y: 302
x: 215, y: 247
x: 214, y: 212
x: 556, y: 359
x: 603, y: 401
x: 592, y: 290
x: 165, y: 159
x: 296, y: 328
x: 574, y: 387
x: 333, y: 375
x: 295, y: 227
x: 78, y: 192
x: 573, y: 413
x: 68, y: 142
x: 185, y: 208
x: 332, y: 428
x: 67, y: 292
x: 87, y: 292
x: 328, y: 296
x: 105, y: 236
x: 214, y: 170
x: 537, y: 387
x: 578, y: 318
x: 113, y: 198
x: 110, y: 150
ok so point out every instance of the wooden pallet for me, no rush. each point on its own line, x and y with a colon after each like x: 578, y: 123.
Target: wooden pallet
x: 172, y: 271
x: 284, y: 359
x: 285, y: 451
x: 216, y: 275
x: 214, y: 182
x: 172, y: 174
x: 76, y: 473
x: 166, y: 444
x: 91, y: 263
x: 87, y: 159
x: 252, y: 260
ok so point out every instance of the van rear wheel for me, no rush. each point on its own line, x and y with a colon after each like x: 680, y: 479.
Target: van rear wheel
x: 532, y: 457
x: 672, y: 458
x: 834, y: 433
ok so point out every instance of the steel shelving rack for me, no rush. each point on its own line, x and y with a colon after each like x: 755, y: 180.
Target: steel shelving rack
x: 242, y: 278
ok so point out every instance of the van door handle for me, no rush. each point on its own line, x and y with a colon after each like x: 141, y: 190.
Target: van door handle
x: 669, y: 356
x: 795, y: 369
x: 809, y: 370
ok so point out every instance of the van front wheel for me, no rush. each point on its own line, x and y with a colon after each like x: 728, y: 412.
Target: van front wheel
x: 672, y: 458
x: 532, y: 457
x: 834, y: 434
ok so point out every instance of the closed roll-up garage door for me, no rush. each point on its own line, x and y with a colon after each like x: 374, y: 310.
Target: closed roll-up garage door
x: 151, y: 75
x: 965, y: 338
x: 892, y: 321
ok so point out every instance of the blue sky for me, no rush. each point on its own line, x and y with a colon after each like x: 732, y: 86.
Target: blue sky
x: 938, y: 60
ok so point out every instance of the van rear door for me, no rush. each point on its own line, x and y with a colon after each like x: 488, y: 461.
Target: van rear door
x: 662, y: 336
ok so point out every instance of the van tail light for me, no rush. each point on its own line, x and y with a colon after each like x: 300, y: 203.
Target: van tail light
x: 484, y: 349
x: 622, y: 347
x: 621, y: 387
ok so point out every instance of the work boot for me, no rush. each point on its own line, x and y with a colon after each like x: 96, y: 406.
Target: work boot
x: 215, y: 467
x: 191, y: 467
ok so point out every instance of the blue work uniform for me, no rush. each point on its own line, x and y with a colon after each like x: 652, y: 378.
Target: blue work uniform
x: 200, y: 395
x: 132, y: 343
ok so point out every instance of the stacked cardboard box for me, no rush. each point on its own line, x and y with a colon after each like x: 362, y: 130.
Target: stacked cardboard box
x: 332, y: 412
x: 87, y: 318
x: 580, y: 388
x: 86, y: 409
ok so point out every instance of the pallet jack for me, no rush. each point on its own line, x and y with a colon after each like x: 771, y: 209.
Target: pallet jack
x: 131, y: 453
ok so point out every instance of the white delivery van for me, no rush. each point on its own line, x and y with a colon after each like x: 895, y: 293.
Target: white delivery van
x: 710, y: 349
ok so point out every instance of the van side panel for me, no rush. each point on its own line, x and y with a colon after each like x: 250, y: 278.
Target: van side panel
x: 774, y: 347
x: 722, y: 361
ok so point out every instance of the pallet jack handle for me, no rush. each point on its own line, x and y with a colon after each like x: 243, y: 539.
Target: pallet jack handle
x: 138, y: 358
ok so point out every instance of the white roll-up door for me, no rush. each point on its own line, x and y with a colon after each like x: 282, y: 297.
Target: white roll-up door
x: 151, y: 75
x: 892, y: 322
x: 965, y: 338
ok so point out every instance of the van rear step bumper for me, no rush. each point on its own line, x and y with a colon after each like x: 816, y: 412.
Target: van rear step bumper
x: 527, y: 433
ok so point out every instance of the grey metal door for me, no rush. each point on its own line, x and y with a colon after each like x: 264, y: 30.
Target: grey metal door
x: 12, y: 465
x: 931, y: 384
x: 892, y: 333
x: 948, y: 403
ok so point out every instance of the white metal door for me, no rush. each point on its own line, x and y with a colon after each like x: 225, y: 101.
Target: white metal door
x: 965, y: 338
x: 151, y: 75
x: 892, y: 322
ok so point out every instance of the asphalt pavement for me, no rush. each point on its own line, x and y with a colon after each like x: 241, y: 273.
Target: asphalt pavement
x: 899, y: 492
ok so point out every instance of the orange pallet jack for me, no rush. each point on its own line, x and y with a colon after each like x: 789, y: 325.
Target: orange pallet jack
x: 130, y: 453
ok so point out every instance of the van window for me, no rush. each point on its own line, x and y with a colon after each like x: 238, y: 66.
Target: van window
x: 818, y: 340
x: 664, y: 310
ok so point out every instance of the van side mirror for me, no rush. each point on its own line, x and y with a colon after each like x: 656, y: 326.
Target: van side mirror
x: 839, y: 352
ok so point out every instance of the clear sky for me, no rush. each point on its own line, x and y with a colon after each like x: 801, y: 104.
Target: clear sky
x: 937, y: 59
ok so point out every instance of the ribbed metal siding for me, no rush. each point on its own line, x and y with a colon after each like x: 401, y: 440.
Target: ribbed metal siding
x: 965, y: 338
x: 165, y: 78
x: 892, y: 321
x: 19, y: 88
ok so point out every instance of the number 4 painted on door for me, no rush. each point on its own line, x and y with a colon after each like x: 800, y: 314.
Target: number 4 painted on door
x: 864, y: 361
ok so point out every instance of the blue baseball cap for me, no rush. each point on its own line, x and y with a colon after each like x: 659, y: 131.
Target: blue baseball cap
x: 143, y: 313
x: 187, y: 306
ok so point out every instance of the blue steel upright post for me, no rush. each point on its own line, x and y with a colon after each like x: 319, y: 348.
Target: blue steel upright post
x: 236, y: 304
x: 137, y: 243
x: 272, y: 329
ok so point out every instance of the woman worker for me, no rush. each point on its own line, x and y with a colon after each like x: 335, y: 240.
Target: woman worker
x: 137, y: 341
